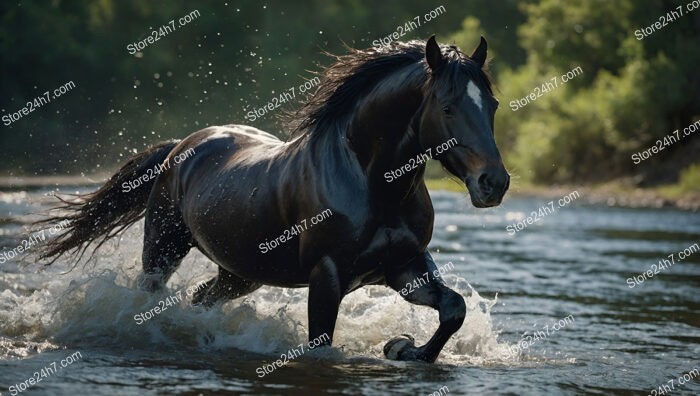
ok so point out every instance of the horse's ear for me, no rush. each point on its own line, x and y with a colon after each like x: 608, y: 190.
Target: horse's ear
x: 479, y: 55
x: 433, y: 55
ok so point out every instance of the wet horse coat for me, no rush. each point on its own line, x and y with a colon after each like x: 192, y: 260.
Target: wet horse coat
x: 377, y: 110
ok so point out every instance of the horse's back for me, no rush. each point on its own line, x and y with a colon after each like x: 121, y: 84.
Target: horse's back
x: 224, y: 136
x: 226, y: 191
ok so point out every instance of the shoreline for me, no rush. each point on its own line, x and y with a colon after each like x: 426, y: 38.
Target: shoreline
x: 611, y: 194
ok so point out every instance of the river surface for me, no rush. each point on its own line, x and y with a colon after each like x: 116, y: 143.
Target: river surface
x: 552, y: 309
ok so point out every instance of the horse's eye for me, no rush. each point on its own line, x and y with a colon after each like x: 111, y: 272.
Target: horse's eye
x: 446, y: 110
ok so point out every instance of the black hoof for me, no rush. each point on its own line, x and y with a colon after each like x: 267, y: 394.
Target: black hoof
x: 402, y: 348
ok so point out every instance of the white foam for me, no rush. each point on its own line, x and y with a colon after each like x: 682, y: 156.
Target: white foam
x: 98, y: 305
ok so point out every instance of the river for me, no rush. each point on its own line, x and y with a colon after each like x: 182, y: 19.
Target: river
x: 559, y: 306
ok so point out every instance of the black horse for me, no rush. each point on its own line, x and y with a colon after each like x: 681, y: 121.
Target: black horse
x: 231, y: 191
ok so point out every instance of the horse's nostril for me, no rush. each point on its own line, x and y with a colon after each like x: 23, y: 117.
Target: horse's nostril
x: 484, y: 184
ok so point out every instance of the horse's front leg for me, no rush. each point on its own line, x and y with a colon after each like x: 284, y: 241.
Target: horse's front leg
x: 326, y: 290
x: 432, y: 293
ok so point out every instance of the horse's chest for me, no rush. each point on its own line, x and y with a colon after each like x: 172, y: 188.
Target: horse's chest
x: 390, y: 244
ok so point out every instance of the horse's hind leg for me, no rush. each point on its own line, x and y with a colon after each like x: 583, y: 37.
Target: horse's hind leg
x: 223, y: 286
x: 166, y: 241
x: 435, y: 294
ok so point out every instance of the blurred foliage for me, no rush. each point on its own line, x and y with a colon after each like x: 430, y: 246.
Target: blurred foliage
x: 690, y: 179
x: 688, y: 185
x: 237, y: 55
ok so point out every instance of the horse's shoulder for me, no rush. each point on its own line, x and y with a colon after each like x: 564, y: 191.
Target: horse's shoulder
x: 238, y: 133
x: 249, y: 131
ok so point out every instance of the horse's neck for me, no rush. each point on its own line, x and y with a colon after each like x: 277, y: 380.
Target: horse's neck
x: 383, y: 133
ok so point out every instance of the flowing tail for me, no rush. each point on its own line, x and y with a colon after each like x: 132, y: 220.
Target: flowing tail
x: 101, y: 215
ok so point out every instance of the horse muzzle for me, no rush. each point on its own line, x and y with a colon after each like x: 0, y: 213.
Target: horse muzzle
x: 488, y: 188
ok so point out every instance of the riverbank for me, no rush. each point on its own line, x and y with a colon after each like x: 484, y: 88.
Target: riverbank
x: 610, y: 194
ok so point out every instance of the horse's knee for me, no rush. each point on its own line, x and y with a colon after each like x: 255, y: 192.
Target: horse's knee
x: 453, y: 310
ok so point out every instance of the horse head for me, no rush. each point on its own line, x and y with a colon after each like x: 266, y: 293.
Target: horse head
x: 459, y: 106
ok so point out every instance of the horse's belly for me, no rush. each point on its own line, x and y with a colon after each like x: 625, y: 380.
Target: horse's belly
x: 281, y: 269
x: 245, y: 250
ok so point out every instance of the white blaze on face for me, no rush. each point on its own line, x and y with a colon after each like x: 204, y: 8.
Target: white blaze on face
x: 475, y: 94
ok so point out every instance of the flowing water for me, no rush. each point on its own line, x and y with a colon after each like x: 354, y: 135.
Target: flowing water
x: 550, y: 311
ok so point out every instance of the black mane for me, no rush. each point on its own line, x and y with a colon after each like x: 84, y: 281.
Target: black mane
x: 354, y: 75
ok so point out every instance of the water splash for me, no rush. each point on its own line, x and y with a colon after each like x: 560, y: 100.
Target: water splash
x: 98, y: 307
